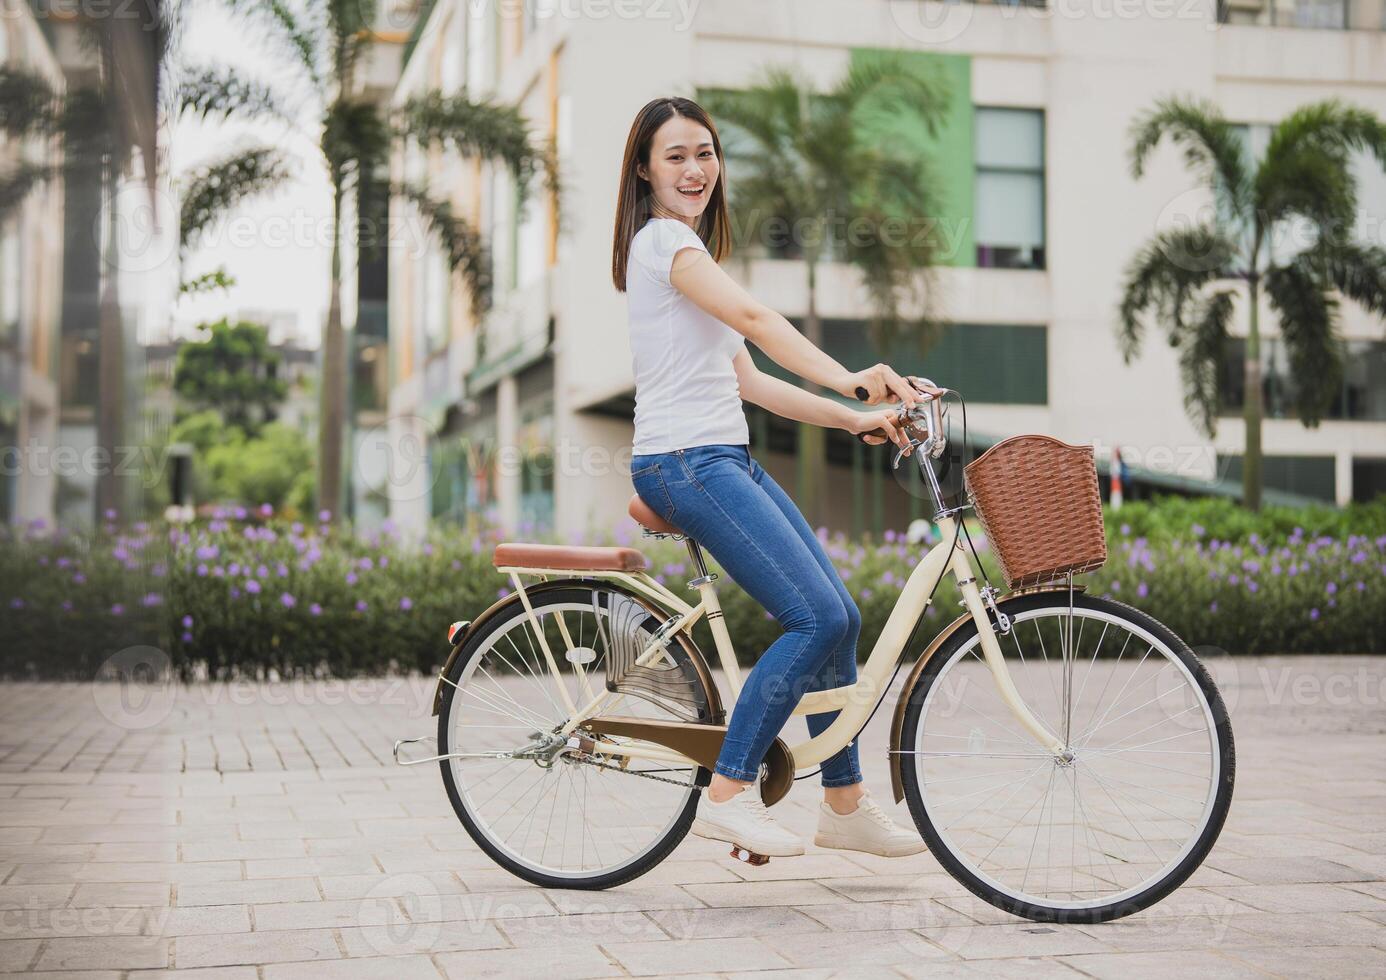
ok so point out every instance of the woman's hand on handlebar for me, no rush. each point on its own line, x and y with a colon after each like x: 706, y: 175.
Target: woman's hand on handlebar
x: 879, y: 384
x: 877, y: 428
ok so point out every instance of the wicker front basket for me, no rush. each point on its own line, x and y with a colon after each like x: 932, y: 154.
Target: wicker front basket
x: 1037, y: 498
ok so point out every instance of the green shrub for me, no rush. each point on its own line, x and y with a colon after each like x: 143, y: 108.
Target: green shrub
x: 247, y: 595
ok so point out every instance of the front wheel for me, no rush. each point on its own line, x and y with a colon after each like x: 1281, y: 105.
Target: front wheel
x: 1117, y: 821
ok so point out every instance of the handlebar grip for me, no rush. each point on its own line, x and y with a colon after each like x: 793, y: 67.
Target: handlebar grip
x: 862, y: 394
x: 880, y: 433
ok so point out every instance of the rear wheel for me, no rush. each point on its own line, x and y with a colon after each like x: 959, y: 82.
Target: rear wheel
x: 1123, y: 816
x: 565, y: 819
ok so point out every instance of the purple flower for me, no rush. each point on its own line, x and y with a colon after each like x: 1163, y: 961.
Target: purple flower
x: 266, y: 510
x: 235, y: 592
x: 67, y: 605
x: 252, y: 586
x: 384, y: 562
x: 287, y: 600
x: 1116, y: 586
x: 365, y: 565
x: 218, y: 571
x: 502, y: 593
x: 117, y: 610
x: 1213, y: 606
x: 296, y: 527
x: 153, y: 599
x: 1331, y: 588
x: 282, y: 570
x: 360, y: 605
x: 315, y: 610
x: 1252, y: 586
x: 1142, y: 590
x: 1233, y: 579
x: 78, y: 578
x: 16, y: 603
x: 1314, y: 613
x: 208, y: 551
x: 187, y: 637
x: 262, y: 572
x: 234, y: 568
x: 456, y: 565
x: 1125, y: 530
x: 110, y: 514
x: 1361, y: 586
x: 351, y: 578
x: 324, y: 515
x: 1198, y: 530
x: 187, y: 622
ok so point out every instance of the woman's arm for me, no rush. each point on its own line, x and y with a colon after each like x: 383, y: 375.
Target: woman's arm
x: 707, y: 284
x: 785, y: 400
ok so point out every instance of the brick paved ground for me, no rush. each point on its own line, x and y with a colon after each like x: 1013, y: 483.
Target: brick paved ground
x: 261, y: 832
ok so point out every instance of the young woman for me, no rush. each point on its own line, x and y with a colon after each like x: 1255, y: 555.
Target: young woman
x: 689, y: 323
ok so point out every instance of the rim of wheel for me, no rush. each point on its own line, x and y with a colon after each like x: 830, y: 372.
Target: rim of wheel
x: 585, y: 810
x: 1023, y: 780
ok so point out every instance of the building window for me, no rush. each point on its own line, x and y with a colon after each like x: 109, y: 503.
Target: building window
x: 1363, y: 393
x: 1009, y: 191
x: 1307, y: 476
x: 1001, y: 364
x: 1368, y: 478
x: 1335, y: 15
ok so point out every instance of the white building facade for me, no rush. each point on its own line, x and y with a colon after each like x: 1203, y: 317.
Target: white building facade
x: 523, y: 417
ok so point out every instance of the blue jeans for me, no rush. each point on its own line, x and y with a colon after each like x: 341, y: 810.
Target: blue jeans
x: 721, y: 497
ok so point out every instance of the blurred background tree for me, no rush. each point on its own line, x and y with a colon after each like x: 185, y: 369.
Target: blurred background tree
x: 233, y: 370
x: 814, y: 181
x: 1180, y: 277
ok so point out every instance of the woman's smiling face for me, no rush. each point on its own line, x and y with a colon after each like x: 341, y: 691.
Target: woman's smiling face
x: 683, y: 168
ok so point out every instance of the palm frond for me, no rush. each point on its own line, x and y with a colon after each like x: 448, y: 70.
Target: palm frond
x: 1202, y: 348
x: 288, y: 29
x: 1210, y: 144
x: 891, y: 82
x: 1308, y: 318
x: 463, y: 245
x: 226, y: 93
x: 1165, y: 275
x: 18, y: 180
x: 1328, y: 126
x: 475, y: 128
x: 355, y: 138
x: 208, y: 282
x: 218, y: 187
x: 1307, y: 168
x: 1355, y: 270
x: 28, y: 104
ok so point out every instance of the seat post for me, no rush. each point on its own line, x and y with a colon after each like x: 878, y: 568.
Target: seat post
x: 695, y: 552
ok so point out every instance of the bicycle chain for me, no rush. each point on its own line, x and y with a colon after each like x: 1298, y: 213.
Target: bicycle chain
x: 628, y: 772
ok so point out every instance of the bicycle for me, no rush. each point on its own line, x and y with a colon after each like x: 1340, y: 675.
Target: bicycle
x: 578, y: 720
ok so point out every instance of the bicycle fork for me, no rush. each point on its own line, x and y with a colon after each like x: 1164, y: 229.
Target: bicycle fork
x: 991, y: 648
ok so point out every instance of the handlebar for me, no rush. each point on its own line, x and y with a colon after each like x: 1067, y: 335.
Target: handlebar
x: 927, y: 414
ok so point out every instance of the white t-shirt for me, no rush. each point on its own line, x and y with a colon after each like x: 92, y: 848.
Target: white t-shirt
x: 686, y: 392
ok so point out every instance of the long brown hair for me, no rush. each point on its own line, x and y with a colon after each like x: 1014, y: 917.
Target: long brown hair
x: 634, y: 202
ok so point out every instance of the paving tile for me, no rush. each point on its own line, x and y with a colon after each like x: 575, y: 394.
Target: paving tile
x: 649, y: 959
x: 570, y: 961
x: 584, y: 930
x: 703, y: 923
x: 1326, y: 962
x: 104, y: 953
x: 248, y: 892
x: 373, y: 968
x: 422, y: 937
x: 878, y: 948
x: 1020, y: 939
x: 1158, y: 966
x: 1303, y: 898
x: 252, y: 948
x: 765, y: 893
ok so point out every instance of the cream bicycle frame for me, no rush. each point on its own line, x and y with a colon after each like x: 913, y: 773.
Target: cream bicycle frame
x: 854, y: 702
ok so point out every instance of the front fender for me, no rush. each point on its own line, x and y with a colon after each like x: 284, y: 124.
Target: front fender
x: 906, y: 691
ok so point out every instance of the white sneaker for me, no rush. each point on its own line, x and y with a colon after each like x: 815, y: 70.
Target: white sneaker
x: 868, y: 829
x: 743, y: 821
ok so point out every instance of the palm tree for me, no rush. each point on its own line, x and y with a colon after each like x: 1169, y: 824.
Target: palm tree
x: 94, y: 129
x: 325, y: 42
x: 1182, y: 275
x: 808, y: 161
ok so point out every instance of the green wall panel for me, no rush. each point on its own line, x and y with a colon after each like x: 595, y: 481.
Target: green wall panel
x: 949, y: 150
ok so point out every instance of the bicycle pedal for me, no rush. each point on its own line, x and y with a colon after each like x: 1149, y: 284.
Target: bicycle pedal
x: 750, y: 857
